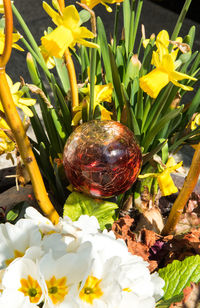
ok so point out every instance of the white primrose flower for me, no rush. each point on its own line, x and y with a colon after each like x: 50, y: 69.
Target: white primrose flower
x: 54, y: 242
x: 63, y: 276
x: 44, y: 224
x: 14, y: 299
x: 22, y: 277
x: 16, y: 239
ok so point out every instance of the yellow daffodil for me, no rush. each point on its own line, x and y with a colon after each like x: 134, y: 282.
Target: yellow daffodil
x: 67, y: 33
x: 158, y: 78
x: 196, y: 122
x: 15, y: 38
x: 164, y: 178
x: 21, y: 102
x: 102, y: 93
x: 48, y: 59
x: 93, y: 3
x: 6, y: 144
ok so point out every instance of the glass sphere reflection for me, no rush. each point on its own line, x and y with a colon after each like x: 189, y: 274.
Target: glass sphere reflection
x: 102, y: 158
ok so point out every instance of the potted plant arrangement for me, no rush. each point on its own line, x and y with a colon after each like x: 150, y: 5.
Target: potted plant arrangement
x: 108, y: 226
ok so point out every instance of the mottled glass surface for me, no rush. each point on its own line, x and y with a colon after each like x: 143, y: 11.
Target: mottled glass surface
x: 102, y: 158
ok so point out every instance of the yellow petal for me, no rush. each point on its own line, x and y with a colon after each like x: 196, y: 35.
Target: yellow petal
x: 162, y: 42
x: 103, y: 93
x: 166, y: 184
x: 71, y: 18
x: 105, y: 114
x: 180, y: 76
x: 90, y: 3
x: 15, y: 87
x: 77, y: 118
x: 87, y: 44
x: 27, y: 101
x: 153, y: 82
x: 168, y: 63
x: 16, y: 46
x: 27, y: 111
x: 56, y: 42
x: 56, y: 18
x: 155, y: 59
x: 186, y: 88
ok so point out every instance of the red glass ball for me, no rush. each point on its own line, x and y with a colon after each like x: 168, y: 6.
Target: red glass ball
x: 102, y: 158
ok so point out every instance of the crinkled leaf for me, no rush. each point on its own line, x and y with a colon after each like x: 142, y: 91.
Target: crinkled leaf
x: 78, y: 204
x: 179, y: 274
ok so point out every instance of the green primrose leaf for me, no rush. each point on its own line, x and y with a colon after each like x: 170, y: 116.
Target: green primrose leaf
x: 78, y: 204
x: 179, y: 274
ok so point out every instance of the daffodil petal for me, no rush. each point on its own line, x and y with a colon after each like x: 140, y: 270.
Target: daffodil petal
x: 27, y: 111
x: 105, y: 114
x: 103, y: 93
x: 15, y: 87
x: 16, y: 46
x: 153, y: 82
x: 182, y: 86
x: 180, y: 76
x: 77, y: 118
x: 167, y: 63
x: 54, y: 43
x: 27, y: 101
x: 71, y: 17
x: 166, y: 184
x: 155, y: 59
x: 87, y: 44
x: 56, y: 18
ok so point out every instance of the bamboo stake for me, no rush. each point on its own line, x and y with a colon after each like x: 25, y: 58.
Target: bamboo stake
x: 187, y: 189
x: 16, y: 125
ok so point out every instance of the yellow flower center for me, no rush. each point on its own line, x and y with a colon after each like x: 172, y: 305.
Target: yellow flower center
x: 17, y: 254
x: 30, y: 287
x: 91, y: 290
x: 127, y: 290
x: 57, y: 289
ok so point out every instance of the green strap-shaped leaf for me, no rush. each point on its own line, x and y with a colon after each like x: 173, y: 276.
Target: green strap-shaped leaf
x: 104, y: 49
x: 62, y: 73
x: 159, y: 125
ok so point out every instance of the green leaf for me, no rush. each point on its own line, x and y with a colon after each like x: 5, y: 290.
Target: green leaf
x: 78, y: 204
x: 17, y: 212
x: 127, y: 19
x: 116, y: 80
x: 104, y: 49
x: 159, y: 125
x: 179, y: 274
x: 166, y: 303
x: 62, y: 73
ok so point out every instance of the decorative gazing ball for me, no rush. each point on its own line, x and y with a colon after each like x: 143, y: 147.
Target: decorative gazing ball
x: 102, y: 158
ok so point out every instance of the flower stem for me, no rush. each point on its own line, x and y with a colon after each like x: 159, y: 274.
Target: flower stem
x: 187, y: 189
x: 72, y: 78
x: 17, y: 127
x: 70, y: 68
